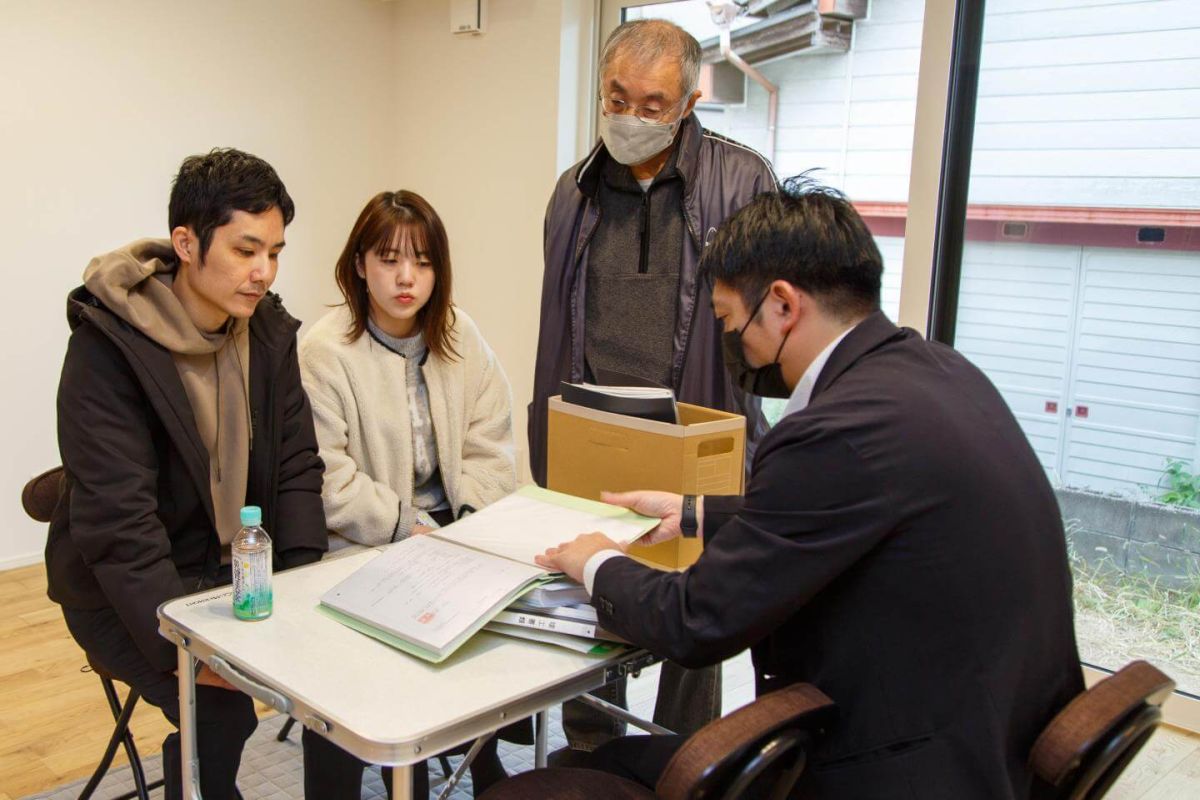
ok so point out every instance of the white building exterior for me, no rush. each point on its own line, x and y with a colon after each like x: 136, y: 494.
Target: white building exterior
x: 1093, y: 338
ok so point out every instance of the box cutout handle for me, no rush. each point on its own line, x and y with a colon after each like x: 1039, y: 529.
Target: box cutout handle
x: 715, y: 447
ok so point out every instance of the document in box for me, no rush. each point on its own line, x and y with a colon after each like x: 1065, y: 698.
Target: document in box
x: 428, y: 594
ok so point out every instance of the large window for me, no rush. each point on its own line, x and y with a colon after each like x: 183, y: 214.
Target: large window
x: 846, y: 82
x: 1078, y: 288
x: 847, y: 87
x: 1079, y: 296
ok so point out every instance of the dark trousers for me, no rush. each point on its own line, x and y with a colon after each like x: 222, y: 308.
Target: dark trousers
x: 638, y: 758
x: 688, y: 699
x: 642, y: 759
x: 224, y: 719
x: 330, y: 773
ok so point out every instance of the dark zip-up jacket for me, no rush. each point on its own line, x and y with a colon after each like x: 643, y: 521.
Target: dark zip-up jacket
x: 135, y: 525
x: 719, y: 177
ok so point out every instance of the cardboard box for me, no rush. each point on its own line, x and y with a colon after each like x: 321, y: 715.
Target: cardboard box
x: 590, y: 451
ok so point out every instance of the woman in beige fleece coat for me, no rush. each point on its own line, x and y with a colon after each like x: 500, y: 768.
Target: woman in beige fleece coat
x: 413, y: 415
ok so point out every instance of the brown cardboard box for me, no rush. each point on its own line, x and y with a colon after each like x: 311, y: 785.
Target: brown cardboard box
x: 590, y: 451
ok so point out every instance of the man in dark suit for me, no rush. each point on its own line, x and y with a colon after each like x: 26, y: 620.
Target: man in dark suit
x: 898, y: 545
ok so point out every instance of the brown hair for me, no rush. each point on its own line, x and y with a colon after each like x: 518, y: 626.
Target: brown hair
x: 390, y: 221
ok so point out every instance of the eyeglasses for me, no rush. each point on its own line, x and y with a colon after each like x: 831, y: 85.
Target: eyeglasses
x: 646, y: 113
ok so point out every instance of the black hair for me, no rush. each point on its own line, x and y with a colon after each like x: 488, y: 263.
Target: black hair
x: 806, y: 234
x: 210, y: 187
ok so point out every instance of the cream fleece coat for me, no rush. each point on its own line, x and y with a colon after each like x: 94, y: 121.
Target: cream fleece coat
x: 360, y: 405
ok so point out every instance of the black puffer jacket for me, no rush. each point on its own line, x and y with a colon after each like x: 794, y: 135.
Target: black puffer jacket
x: 135, y: 527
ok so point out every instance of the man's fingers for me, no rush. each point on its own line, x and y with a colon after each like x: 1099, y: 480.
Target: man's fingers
x: 626, y: 499
x: 548, y: 559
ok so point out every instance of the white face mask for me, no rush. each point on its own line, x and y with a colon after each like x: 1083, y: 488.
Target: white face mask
x: 633, y: 141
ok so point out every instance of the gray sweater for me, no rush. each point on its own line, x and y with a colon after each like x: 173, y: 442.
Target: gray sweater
x: 428, y: 493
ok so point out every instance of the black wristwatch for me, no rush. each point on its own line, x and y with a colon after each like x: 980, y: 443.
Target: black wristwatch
x: 687, y: 519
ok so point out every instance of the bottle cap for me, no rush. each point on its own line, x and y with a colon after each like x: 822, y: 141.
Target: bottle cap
x: 251, y: 515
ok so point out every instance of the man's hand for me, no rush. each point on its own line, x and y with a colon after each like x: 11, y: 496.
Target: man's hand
x: 571, y: 557
x: 420, y: 530
x: 666, y: 506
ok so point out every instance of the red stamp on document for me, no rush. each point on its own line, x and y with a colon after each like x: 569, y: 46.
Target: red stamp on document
x: 426, y: 618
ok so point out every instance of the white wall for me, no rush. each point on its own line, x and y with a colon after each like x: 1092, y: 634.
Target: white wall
x: 99, y: 104
x: 477, y: 137
x: 344, y: 98
x: 848, y: 115
x: 1086, y: 103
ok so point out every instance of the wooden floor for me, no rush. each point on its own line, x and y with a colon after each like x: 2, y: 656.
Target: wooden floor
x: 54, y: 721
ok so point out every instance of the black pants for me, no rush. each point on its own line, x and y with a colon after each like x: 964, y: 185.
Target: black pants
x: 224, y: 719
x: 638, y: 758
x: 688, y: 699
x: 642, y: 759
x: 330, y: 773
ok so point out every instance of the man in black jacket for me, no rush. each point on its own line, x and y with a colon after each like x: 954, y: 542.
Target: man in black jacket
x: 898, y: 545
x: 624, y: 231
x: 180, y: 401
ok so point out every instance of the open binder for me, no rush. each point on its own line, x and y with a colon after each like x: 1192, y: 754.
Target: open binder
x: 429, y: 594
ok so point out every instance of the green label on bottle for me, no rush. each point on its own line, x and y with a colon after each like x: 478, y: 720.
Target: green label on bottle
x: 252, y: 598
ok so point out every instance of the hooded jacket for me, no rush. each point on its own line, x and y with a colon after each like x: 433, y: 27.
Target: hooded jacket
x: 214, y: 367
x: 136, y: 525
x: 719, y: 177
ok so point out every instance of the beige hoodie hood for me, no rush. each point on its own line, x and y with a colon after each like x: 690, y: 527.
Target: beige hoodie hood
x: 119, y: 280
x: 135, y: 284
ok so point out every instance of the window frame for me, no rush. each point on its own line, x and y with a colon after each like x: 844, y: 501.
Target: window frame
x: 939, y: 179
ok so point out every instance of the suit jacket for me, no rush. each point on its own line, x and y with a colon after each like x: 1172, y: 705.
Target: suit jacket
x: 900, y: 547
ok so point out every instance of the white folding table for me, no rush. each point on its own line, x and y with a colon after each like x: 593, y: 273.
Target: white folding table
x: 377, y: 703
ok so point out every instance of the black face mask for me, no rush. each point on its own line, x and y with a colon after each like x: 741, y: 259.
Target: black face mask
x: 764, y: 381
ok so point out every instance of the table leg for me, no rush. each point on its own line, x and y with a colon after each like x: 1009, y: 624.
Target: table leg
x: 187, y: 726
x: 452, y: 780
x: 621, y: 713
x: 402, y: 782
x: 541, y: 738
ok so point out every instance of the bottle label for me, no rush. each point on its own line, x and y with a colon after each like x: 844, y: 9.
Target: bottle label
x: 252, y: 584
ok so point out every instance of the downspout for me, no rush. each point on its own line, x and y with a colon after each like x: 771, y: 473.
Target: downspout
x: 722, y: 15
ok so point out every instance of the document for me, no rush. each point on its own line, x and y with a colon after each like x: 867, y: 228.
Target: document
x: 579, y: 645
x: 617, y: 393
x: 564, y: 592
x: 632, y: 401
x: 554, y: 620
x: 531, y: 520
x: 412, y: 592
x: 429, y: 594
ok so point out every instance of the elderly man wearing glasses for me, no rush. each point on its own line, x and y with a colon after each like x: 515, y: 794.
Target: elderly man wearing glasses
x: 623, y: 236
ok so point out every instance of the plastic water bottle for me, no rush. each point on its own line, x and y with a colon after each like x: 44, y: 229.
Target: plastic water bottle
x: 251, y: 554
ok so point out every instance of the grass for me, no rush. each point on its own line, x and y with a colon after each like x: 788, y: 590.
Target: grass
x: 1121, y: 617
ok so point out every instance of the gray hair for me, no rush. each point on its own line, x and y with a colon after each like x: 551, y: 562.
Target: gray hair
x: 647, y: 40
